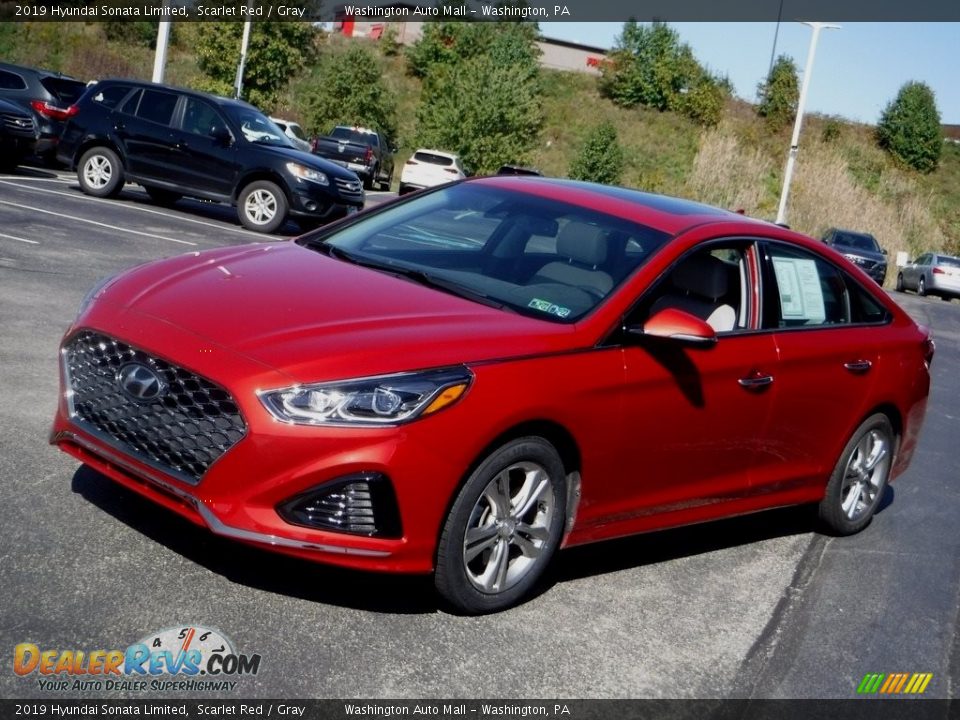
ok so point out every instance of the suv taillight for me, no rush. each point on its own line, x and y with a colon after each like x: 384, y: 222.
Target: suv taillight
x: 52, y: 111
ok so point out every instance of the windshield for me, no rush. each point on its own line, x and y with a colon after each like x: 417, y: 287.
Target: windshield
x: 257, y: 127
x: 857, y: 241
x: 544, y: 258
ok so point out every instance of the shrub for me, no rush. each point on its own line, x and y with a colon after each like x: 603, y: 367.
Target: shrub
x: 600, y: 158
x: 909, y: 128
x: 779, y: 94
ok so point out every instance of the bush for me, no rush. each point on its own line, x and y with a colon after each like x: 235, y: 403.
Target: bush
x: 347, y: 88
x: 909, y: 128
x: 780, y: 94
x: 277, y: 52
x: 600, y: 158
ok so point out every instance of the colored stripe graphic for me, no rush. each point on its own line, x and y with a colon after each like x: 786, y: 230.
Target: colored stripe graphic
x: 894, y: 683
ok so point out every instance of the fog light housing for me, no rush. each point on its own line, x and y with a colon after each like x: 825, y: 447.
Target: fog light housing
x: 360, y: 504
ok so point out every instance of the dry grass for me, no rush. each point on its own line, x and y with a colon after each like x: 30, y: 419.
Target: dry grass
x: 729, y: 175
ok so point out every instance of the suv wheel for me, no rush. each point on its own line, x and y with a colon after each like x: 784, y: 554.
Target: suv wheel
x: 262, y: 206
x: 100, y: 173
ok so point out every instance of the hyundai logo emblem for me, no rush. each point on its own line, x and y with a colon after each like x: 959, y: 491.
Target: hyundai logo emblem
x: 140, y: 383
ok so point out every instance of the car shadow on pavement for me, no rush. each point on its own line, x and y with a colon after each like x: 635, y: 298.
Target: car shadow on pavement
x: 247, y: 565
x: 414, y: 594
x: 33, y: 173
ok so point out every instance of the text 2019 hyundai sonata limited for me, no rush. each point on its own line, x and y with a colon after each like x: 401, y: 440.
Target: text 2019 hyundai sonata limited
x: 466, y: 380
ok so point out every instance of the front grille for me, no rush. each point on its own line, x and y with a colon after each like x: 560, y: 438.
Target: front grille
x: 349, y: 187
x: 181, y: 429
x: 19, y: 124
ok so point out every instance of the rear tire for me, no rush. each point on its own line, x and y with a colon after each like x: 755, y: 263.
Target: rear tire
x: 860, y: 477
x: 899, y: 282
x: 385, y: 184
x: 921, y: 287
x: 100, y: 173
x: 262, y: 206
x: 503, y: 529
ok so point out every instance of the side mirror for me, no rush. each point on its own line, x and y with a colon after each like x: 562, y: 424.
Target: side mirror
x: 883, y: 250
x: 674, y: 324
x: 221, y: 135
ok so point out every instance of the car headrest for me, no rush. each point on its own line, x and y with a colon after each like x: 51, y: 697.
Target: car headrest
x: 582, y: 243
x: 703, y: 275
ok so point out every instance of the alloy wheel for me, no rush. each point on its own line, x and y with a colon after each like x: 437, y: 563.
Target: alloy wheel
x: 865, y: 475
x: 98, y: 171
x: 261, y: 206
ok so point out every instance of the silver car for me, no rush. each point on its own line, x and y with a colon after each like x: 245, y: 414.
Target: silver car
x: 931, y: 274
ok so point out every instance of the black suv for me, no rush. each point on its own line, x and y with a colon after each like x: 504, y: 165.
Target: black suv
x: 177, y: 142
x: 18, y: 135
x: 47, y: 95
x: 862, y: 249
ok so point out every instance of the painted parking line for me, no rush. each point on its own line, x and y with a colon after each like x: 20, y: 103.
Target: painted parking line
x: 99, y: 224
x: 138, y: 208
x: 18, y: 239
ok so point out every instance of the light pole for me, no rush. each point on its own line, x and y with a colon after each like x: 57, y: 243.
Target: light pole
x: 163, y: 39
x: 795, y: 139
x: 244, y: 46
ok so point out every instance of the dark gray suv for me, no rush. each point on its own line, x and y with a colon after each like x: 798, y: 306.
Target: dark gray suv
x: 862, y: 249
x: 49, y: 96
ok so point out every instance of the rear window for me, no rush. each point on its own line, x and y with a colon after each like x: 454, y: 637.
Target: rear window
x: 65, y: 90
x: 355, y: 136
x: 433, y: 159
x: 947, y: 261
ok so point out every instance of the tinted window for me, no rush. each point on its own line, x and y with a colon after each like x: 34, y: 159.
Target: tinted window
x: 947, y: 261
x: 857, y: 241
x: 199, y: 117
x: 11, y: 81
x: 65, y: 91
x: 157, y: 106
x: 110, y: 96
x: 355, y: 136
x: 806, y: 291
x: 432, y: 158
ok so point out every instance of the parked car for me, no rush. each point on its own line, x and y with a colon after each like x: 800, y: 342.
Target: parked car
x: 294, y: 133
x: 18, y: 135
x: 931, y: 274
x: 177, y: 142
x: 468, y: 379
x: 367, y: 152
x: 518, y: 170
x: 862, y: 249
x: 427, y: 168
x: 48, y: 95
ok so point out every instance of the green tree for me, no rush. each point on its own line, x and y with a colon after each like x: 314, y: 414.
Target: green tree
x: 650, y: 66
x: 277, y: 52
x: 449, y: 43
x: 600, y: 158
x: 779, y: 94
x: 347, y: 88
x: 909, y: 128
x: 485, y: 107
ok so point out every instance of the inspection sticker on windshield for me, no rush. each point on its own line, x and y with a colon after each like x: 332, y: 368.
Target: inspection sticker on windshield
x: 548, y: 307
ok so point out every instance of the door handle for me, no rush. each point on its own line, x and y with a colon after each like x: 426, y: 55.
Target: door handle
x: 755, y: 381
x: 858, y: 366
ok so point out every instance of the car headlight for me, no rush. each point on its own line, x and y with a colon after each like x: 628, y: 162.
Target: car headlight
x: 302, y: 172
x: 381, y: 400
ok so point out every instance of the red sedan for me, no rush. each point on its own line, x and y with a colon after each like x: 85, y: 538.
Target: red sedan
x: 468, y: 379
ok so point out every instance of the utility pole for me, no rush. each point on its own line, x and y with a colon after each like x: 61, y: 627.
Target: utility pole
x: 795, y: 139
x: 163, y: 39
x: 244, y: 46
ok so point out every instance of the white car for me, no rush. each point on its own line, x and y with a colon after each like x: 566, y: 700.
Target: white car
x: 427, y: 168
x: 293, y: 131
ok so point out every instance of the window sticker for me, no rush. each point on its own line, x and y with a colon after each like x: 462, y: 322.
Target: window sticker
x: 801, y: 297
x: 548, y: 307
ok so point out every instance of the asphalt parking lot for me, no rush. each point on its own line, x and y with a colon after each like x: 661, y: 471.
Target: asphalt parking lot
x: 753, y: 607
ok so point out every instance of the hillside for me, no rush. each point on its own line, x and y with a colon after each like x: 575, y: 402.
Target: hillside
x: 842, y: 178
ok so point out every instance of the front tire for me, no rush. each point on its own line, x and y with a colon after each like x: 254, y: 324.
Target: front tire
x: 503, y: 529
x: 860, y: 477
x: 262, y: 206
x: 899, y: 282
x: 100, y: 173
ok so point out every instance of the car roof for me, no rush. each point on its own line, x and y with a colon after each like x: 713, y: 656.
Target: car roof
x: 216, y: 99
x: 661, y: 212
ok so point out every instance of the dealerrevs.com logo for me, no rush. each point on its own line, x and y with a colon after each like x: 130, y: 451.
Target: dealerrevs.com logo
x: 191, y: 658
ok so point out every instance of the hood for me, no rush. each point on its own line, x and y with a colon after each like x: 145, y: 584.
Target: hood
x: 316, y: 318
x: 310, y: 160
x: 859, y: 252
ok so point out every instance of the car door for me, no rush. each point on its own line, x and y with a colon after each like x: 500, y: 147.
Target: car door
x: 207, y: 154
x: 143, y: 128
x: 695, y: 415
x: 824, y: 327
